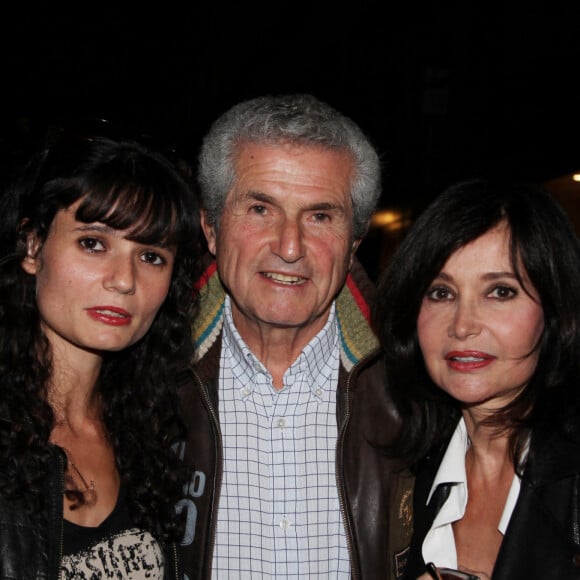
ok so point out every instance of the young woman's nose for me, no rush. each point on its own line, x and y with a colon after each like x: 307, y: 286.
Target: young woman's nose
x: 121, y: 275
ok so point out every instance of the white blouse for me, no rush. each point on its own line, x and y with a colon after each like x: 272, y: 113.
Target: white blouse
x: 439, y: 543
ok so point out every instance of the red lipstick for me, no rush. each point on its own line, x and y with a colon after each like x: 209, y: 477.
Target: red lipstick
x: 468, y: 360
x: 112, y: 315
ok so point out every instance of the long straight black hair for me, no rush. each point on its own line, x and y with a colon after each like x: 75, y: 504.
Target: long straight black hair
x: 542, y: 242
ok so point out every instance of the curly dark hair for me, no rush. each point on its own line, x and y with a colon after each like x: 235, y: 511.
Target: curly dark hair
x: 125, y: 185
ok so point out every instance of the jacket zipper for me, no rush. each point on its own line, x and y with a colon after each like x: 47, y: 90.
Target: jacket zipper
x: 355, y: 565
x: 219, y: 472
x: 59, y: 497
x: 576, y: 510
x: 175, y: 560
x: 339, y: 480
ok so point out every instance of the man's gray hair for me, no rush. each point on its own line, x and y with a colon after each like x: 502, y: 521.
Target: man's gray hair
x: 299, y: 119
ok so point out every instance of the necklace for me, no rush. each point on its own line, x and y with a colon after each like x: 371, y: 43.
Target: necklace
x: 79, y: 497
x: 91, y: 486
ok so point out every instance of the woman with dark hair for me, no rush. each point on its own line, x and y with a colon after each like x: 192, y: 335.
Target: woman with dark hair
x: 479, y: 318
x: 99, y: 241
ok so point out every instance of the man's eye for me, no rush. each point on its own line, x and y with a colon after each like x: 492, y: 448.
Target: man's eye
x: 92, y: 244
x: 259, y: 209
x: 321, y: 217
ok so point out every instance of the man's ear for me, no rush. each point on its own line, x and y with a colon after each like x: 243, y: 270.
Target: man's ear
x: 209, y: 232
x: 31, y: 262
x: 353, y: 250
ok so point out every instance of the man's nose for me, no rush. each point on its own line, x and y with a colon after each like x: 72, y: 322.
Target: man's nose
x: 289, y: 240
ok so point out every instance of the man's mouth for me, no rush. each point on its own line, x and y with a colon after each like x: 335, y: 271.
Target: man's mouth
x: 284, y: 278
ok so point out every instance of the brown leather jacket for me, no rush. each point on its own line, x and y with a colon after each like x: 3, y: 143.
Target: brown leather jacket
x: 375, y: 499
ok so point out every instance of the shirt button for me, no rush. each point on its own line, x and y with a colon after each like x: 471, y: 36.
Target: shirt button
x: 285, y: 524
x: 245, y: 391
x: 281, y: 423
x: 318, y: 392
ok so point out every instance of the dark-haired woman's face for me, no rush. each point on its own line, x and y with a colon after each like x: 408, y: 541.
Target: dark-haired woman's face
x: 96, y: 290
x: 477, y: 326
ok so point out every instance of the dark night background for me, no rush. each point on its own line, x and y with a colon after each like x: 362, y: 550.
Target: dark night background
x: 446, y: 91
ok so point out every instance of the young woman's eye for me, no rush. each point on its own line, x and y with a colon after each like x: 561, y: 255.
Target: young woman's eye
x: 92, y: 244
x: 503, y: 292
x: 439, y: 293
x: 153, y: 258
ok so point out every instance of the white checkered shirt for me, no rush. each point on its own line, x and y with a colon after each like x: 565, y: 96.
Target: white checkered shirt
x: 279, y: 514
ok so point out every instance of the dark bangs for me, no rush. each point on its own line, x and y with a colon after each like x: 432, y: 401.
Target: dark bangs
x: 153, y: 214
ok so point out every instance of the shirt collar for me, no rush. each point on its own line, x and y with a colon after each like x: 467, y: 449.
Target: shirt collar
x: 452, y: 471
x: 452, y: 468
x: 317, y: 354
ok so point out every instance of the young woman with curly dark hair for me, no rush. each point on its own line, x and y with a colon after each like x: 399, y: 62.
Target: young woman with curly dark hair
x: 99, y: 253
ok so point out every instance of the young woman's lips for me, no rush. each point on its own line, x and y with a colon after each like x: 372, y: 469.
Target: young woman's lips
x: 111, y: 315
x: 467, y: 360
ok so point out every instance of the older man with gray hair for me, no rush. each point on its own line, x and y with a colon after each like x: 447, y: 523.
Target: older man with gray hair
x: 289, y: 406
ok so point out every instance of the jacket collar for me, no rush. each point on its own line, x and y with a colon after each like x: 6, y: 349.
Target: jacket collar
x: 554, y: 453
x: 357, y: 339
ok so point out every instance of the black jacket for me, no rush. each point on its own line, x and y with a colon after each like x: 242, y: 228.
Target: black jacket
x: 375, y: 501
x: 542, y: 540
x: 31, y: 544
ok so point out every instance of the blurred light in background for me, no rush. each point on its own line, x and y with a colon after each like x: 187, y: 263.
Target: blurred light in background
x: 391, y: 220
x: 566, y: 189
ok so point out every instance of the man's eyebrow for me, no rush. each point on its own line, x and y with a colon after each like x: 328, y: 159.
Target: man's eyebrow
x: 320, y: 206
x: 325, y: 205
x: 258, y: 196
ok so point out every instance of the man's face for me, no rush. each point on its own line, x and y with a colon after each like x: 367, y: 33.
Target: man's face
x: 285, y: 239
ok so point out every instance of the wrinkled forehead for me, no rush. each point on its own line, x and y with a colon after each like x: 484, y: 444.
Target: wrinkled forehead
x: 289, y: 163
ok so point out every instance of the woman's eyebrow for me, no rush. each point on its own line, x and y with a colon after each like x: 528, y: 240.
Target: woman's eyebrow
x: 94, y: 228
